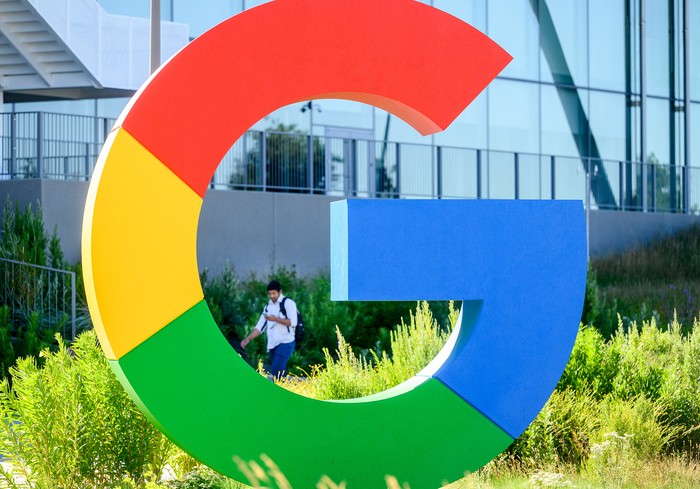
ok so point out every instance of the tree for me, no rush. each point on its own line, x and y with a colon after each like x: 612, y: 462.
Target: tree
x: 286, y: 151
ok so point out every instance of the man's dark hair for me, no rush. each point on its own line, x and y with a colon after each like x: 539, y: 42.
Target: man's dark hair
x: 274, y: 285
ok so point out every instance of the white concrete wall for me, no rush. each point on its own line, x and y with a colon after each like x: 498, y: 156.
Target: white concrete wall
x: 259, y: 231
x: 114, y: 48
x: 253, y: 231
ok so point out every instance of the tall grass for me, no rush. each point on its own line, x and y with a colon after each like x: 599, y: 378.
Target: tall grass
x: 347, y: 375
x: 236, y: 304
x: 667, y: 260
x: 660, y: 280
x: 67, y: 423
x: 622, y: 405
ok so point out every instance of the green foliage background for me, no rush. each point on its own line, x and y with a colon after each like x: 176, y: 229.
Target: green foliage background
x: 630, y: 394
x: 236, y: 305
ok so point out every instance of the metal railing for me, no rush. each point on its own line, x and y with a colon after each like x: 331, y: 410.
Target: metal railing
x: 53, y: 146
x: 50, y: 292
x: 58, y: 146
x: 271, y: 161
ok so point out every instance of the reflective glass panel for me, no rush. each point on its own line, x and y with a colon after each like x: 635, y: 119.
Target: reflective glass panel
x: 657, y: 46
x: 399, y: 131
x: 336, y: 113
x: 564, y: 41
x: 695, y: 135
x: 77, y: 107
x: 166, y: 9
x: 694, y: 34
x: 202, y: 19
x: 473, y: 13
x: 513, y: 25
x: 132, y: 9
x: 469, y: 129
x: 607, y: 44
x: 608, y: 124
x: 111, y: 107
x: 561, y: 121
x: 658, y: 133
x: 514, y: 116
x: 252, y: 3
x: 694, y: 171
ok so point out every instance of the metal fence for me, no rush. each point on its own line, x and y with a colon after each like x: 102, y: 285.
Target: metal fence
x: 48, y: 145
x: 58, y: 146
x: 271, y: 161
x: 50, y: 292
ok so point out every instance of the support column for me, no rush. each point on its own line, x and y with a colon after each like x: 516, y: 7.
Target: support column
x: 686, y: 106
x: 4, y: 168
x: 643, y: 105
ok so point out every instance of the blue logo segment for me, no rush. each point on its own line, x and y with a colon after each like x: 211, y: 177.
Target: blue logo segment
x: 519, y: 267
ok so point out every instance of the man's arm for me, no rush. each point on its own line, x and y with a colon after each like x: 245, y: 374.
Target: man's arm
x: 277, y: 319
x: 253, y: 334
x: 257, y: 331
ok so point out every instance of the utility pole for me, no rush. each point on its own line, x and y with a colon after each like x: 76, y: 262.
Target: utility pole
x: 155, y: 35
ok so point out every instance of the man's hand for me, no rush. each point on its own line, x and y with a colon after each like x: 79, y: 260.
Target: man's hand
x: 253, y: 334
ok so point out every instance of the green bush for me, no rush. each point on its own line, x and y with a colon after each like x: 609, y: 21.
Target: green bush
x: 593, y: 365
x: 236, y: 305
x: 68, y: 423
x: 620, y: 402
x: 660, y: 365
x: 561, y: 432
x: 24, y: 327
x: 347, y: 375
x: 640, y: 420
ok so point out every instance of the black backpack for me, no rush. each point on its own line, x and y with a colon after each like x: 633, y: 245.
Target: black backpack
x: 299, y: 330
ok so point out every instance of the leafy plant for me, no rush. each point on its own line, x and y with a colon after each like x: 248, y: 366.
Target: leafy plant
x: 68, y: 422
x: 348, y: 375
x: 237, y: 303
x: 30, y: 295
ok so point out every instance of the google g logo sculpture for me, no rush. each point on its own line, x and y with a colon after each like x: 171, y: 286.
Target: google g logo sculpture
x: 518, y: 266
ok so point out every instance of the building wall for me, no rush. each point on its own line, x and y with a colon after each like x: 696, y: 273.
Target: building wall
x: 253, y: 231
x: 614, y: 231
x: 62, y: 206
x: 259, y: 231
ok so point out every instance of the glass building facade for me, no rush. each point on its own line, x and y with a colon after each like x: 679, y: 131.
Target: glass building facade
x: 600, y: 93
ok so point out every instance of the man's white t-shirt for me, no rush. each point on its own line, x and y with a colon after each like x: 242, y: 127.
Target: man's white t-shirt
x: 278, y: 333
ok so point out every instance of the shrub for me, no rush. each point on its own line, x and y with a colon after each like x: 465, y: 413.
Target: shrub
x: 593, y: 365
x: 560, y: 434
x: 236, y: 305
x: 347, y: 375
x: 640, y: 421
x: 29, y: 322
x: 69, y: 423
x: 659, y: 280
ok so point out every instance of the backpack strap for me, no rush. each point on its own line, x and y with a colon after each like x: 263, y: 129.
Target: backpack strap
x: 282, y: 308
x: 264, y: 326
x: 283, y: 311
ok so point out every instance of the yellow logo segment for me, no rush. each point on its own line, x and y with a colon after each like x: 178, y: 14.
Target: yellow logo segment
x: 139, y: 245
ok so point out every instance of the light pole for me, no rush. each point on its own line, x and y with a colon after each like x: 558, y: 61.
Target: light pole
x: 311, y: 107
x: 154, y: 53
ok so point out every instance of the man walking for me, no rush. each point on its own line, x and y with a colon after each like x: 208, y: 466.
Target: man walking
x: 278, y: 320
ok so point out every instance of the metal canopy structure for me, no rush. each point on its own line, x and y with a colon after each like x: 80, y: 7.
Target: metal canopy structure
x: 74, y: 49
